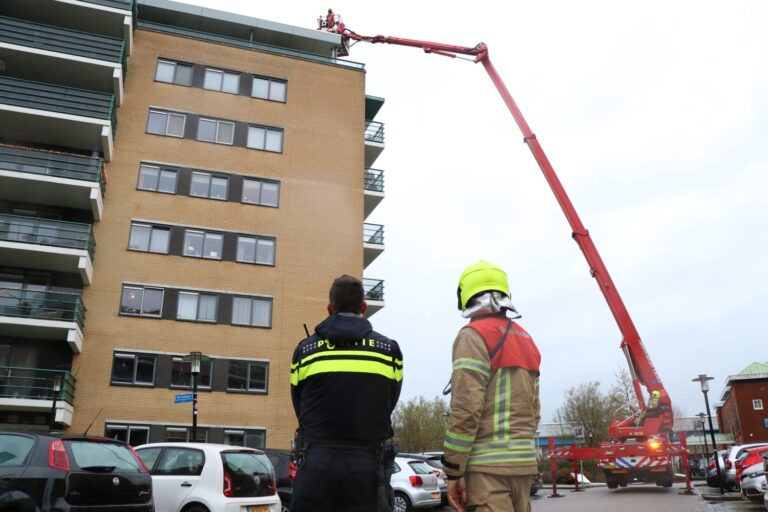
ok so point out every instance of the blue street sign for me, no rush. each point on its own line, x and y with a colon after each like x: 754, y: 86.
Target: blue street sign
x: 182, y: 398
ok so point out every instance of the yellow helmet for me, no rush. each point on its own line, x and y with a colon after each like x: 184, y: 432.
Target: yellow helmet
x: 655, y: 393
x: 480, y: 277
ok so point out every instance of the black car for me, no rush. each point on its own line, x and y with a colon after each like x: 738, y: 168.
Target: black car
x: 54, y: 471
x: 285, y: 473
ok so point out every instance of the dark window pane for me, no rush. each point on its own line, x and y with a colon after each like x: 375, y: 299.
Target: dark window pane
x: 131, y: 301
x: 258, y: 377
x: 138, y: 436
x: 153, y: 302
x: 145, y: 369
x: 122, y: 369
x: 180, y: 374
x: 183, y: 74
x: 206, y: 370
x: 116, y: 432
x: 180, y: 461
x: 238, y: 374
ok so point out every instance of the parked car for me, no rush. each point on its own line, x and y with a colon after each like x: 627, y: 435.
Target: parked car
x: 749, y: 458
x: 200, y: 477
x: 285, y: 474
x: 712, y: 479
x: 415, y: 485
x: 434, y: 460
x: 753, y: 483
x: 730, y: 462
x: 44, y: 471
x: 537, y: 483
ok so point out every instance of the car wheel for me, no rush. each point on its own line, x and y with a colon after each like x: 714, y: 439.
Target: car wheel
x: 402, y: 503
x: 196, y: 508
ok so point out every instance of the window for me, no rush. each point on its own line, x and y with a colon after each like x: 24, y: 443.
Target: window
x: 181, y: 375
x: 261, y: 192
x: 197, y: 306
x: 145, y: 237
x: 141, y: 301
x: 149, y: 455
x: 256, y: 250
x: 267, y: 139
x: 250, y: 438
x: 173, y: 72
x: 220, y: 132
x: 757, y: 404
x: 765, y: 422
x: 247, y: 376
x: 131, y: 434
x: 182, y: 435
x: 133, y: 369
x: 180, y: 461
x: 166, y: 123
x: 208, y: 185
x: 200, y: 244
x: 16, y: 448
x: 216, y: 80
x: 252, y: 311
x: 268, y: 89
x: 157, y: 179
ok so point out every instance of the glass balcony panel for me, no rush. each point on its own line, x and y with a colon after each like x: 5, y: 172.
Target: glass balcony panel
x: 126, y: 5
x: 54, y: 98
x: 373, y: 234
x: 42, y: 305
x: 374, y: 289
x: 34, y: 230
x: 60, y: 165
x: 35, y: 383
x: 374, y: 180
x: 374, y: 131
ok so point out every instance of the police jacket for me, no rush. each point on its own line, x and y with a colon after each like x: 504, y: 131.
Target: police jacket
x: 345, y: 382
x: 495, y: 401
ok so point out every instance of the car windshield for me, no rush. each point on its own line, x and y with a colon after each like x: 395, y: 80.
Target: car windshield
x: 250, y: 473
x: 102, y: 456
x: 14, y: 449
x: 420, y: 468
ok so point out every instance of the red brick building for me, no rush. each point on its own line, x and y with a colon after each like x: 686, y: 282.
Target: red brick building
x: 743, y: 411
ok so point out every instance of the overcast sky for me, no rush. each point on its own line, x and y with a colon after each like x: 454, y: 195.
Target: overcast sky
x: 655, y: 117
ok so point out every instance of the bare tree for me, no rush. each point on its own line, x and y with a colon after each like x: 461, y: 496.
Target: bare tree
x: 420, y: 424
x: 622, y: 400
x: 587, y: 407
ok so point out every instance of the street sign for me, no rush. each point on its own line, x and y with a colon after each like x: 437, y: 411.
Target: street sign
x: 182, y: 398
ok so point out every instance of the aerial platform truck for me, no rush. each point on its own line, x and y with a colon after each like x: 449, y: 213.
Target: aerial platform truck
x: 641, y: 446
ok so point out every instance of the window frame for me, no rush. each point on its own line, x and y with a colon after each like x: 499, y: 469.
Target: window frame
x: 219, y: 123
x: 135, y: 370
x: 176, y: 65
x: 197, y: 296
x: 210, y: 176
x: 152, y: 229
x: 128, y: 428
x: 261, y: 192
x: 270, y: 81
x: 267, y: 130
x: 256, y: 239
x: 252, y: 299
x: 757, y: 404
x: 160, y: 170
x: 248, y: 389
x: 202, y: 249
x: 223, y: 73
x: 168, y: 115
x: 143, y: 289
x: 200, y: 385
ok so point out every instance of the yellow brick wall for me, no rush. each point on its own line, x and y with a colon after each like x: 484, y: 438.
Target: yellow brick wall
x: 318, y: 227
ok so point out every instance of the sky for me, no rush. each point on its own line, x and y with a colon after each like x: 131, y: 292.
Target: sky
x: 654, y: 115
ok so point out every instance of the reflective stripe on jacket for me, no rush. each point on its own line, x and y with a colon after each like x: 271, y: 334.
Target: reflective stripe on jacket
x: 494, y: 413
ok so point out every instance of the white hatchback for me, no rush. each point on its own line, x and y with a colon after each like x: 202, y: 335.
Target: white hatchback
x: 200, y: 477
x: 415, y: 485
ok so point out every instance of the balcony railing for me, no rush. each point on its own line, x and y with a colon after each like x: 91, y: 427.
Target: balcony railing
x: 374, y: 289
x: 54, y: 39
x: 40, y: 305
x: 35, y: 384
x: 38, y: 231
x: 126, y: 5
x: 374, y: 131
x: 56, y: 98
x: 374, y: 180
x: 60, y: 165
x: 373, y: 234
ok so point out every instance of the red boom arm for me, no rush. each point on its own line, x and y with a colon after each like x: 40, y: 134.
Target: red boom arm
x: 641, y: 368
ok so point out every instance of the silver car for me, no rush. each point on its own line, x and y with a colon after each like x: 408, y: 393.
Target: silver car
x: 415, y: 485
x: 730, y: 462
x: 753, y: 483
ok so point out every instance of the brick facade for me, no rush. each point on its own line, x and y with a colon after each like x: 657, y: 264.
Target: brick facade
x: 738, y: 415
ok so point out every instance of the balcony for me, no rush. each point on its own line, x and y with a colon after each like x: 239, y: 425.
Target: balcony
x: 58, y: 116
x: 113, y: 18
x: 374, y: 295
x: 43, y: 315
x: 373, y: 186
x: 373, y: 242
x: 59, y: 179
x: 47, y: 244
x: 374, y: 141
x: 31, y: 390
x: 88, y: 61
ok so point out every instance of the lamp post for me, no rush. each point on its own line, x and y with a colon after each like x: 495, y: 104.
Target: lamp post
x: 703, y: 379
x: 701, y: 416
x: 194, y: 359
x: 56, y: 390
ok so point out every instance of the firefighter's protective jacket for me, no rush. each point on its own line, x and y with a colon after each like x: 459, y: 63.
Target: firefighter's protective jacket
x: 495, y: 409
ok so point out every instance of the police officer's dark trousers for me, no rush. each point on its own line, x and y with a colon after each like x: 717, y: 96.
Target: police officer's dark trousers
x: 336, y: 479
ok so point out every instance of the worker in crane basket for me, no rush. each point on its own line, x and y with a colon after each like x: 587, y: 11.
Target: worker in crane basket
x: 490, y: 455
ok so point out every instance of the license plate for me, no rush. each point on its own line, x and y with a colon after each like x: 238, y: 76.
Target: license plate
x: 257, y: 508
x: 435, y: 495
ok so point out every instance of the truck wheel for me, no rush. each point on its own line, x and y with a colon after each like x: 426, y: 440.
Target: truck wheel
x: 612, y: 484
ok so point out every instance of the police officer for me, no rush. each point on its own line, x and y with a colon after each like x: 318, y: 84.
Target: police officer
x: 345, y: 383
x: 489, y: 443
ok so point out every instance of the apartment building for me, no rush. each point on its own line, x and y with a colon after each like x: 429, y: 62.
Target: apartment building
x: 742, y: 407
x: 213, y: 220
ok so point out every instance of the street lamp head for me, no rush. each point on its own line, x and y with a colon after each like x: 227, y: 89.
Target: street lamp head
x: 703, y: 379
x: 702, y: 415
x: 194, y: 359
x: 57, y: 383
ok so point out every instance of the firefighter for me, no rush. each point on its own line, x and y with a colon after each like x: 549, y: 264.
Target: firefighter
x: 490, y: 454
x: 330, y: 21
x: 345, y: 383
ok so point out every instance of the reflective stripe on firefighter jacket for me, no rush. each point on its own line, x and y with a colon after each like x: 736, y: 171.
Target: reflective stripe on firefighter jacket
x: 495, y: 406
